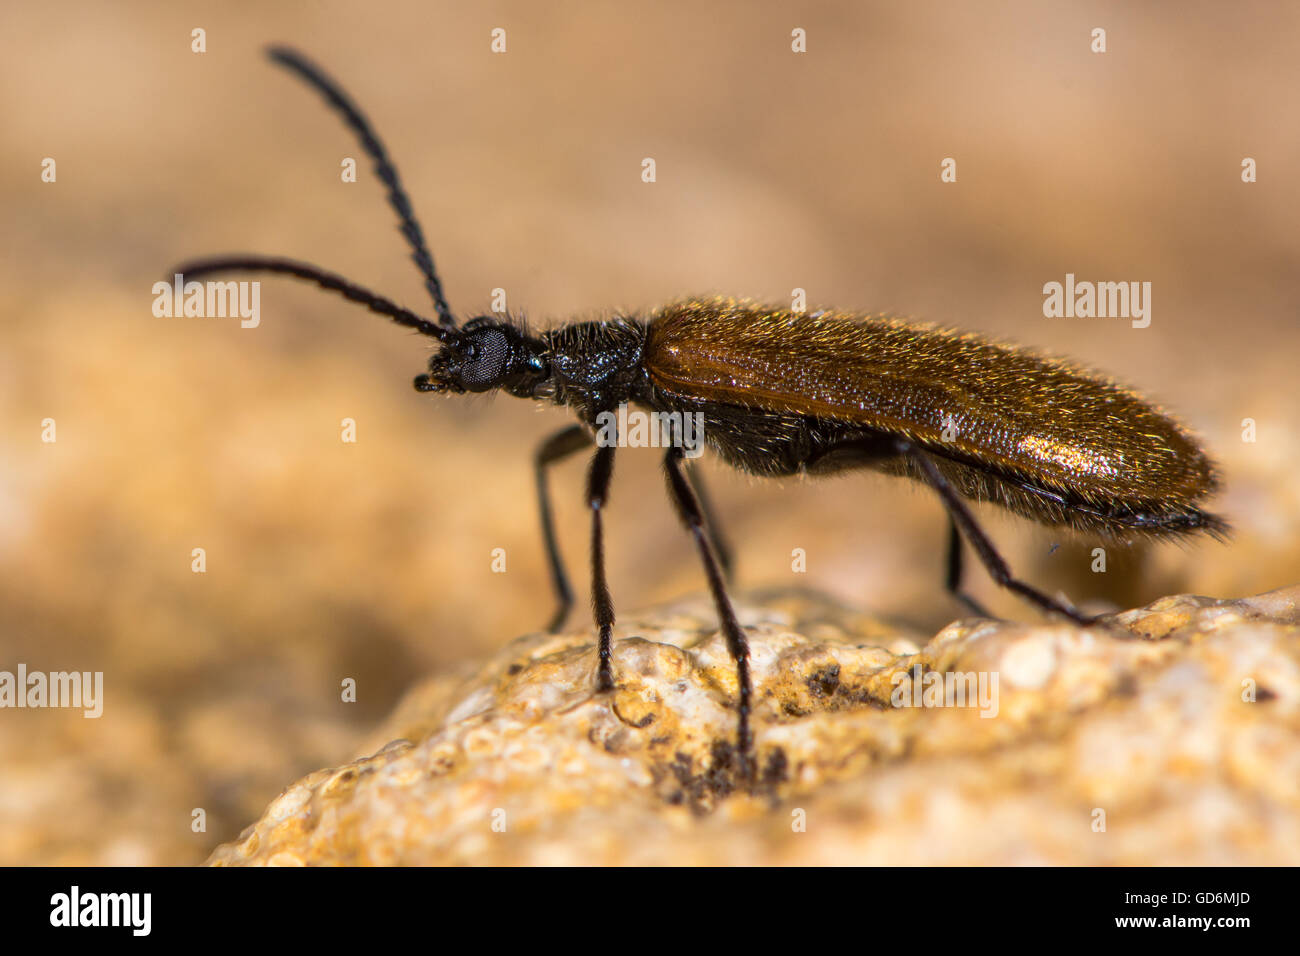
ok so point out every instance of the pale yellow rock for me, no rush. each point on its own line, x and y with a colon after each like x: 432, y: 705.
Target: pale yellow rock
x: 1171, y: 738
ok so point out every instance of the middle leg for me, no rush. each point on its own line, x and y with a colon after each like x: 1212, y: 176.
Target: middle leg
x: 721, y: 546
x: 688, y: 509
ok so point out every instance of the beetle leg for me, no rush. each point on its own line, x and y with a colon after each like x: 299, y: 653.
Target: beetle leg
x: 598, y: 479
x: 954, y: 565
x: 964, y: 521
x: 688, y: 509
x: 873, y: 449
x: 721, y: 547
x: 554, y: 449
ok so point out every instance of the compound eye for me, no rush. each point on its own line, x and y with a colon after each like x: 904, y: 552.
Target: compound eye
x: 485, y: 360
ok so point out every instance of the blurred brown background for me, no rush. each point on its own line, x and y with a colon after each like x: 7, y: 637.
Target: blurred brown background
x: 371, y: 560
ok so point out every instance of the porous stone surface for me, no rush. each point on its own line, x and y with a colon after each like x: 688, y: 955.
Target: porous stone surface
x: 1172, y: 736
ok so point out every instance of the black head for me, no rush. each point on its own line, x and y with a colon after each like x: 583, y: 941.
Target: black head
x: 487, y: 354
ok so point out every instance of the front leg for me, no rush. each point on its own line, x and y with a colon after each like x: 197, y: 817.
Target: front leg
x: 598, y: 480
x: 554, y: 449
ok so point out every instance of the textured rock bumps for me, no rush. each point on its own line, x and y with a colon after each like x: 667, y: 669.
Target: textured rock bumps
x: 1103, y: 750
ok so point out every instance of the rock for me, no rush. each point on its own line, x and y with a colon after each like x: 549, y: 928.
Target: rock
x: 1173, y: 737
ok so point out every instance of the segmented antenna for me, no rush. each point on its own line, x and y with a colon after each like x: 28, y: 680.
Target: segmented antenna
x: 384, y: 168
x: 326, y: 280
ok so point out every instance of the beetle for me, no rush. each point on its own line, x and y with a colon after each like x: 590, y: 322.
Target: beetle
x: 784, y: 393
